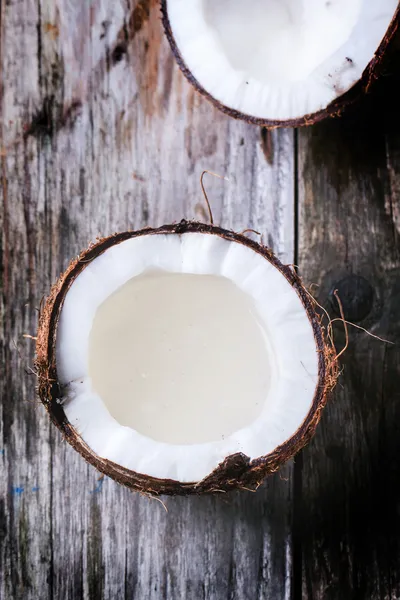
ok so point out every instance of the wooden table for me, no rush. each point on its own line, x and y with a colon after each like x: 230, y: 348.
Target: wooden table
x: 100, y: 132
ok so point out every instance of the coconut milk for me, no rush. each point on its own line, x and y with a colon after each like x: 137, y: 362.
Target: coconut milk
x: 181, y: 358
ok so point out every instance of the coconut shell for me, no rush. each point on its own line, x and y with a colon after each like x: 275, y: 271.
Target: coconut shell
x: 237, y: 470
x: 370, y: 74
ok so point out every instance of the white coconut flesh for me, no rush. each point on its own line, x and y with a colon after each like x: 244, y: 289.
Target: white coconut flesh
x: 176, y: 351
x: 278, y: 59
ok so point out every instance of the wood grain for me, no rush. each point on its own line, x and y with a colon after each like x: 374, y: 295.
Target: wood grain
x: 99, y: 133
x: 347, y: 491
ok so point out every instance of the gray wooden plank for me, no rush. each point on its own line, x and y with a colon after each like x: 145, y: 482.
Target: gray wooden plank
x: 348, y: 505
x: 102, y: 134
x: 25, y: 482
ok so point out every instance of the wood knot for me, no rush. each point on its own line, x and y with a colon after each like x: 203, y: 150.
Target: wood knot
x: 356, y: 295
x: 118, y: 53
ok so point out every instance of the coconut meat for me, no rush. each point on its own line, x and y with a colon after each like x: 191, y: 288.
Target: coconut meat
x: 281, y: 395
x: 278, y: 59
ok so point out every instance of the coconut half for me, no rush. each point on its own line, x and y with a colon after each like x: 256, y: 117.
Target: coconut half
x: 280, y: 62
x: 184, y: 359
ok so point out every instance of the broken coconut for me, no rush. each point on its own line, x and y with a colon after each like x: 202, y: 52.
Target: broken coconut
x: 185, y: 359
x: 280, y: 62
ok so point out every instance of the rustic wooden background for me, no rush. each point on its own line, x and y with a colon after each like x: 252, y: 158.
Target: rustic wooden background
x: 100, y: 132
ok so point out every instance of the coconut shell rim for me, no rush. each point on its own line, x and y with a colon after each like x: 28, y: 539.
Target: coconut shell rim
x: 237, y: 470
x: 333, y: 109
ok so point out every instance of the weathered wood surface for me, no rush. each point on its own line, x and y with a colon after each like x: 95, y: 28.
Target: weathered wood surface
x: 100, y: 132
x: 347, y: 512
